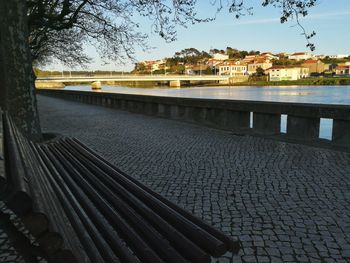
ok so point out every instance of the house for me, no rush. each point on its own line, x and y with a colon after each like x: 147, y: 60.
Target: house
x: 315, y: 66
x: 197, y: 69
x: 189, y: 69
x: 342, y: 70
x: 339, y: 56
x: 300, y: 56
x: 319, y: 56
x: 258, y: 63
x: 158, y: 65
x: 268, y: 55
x: 219, y: 56
x: 152, y: 65
x: 278, y: 73
x: 249, y: 58
x: 213, y: 62
x: 282, y: 55
x: 233, y: 68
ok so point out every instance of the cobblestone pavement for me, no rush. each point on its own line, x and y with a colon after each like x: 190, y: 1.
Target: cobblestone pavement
x: 285, y: 202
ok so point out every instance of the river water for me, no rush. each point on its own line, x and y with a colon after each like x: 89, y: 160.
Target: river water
x: 339, y: 95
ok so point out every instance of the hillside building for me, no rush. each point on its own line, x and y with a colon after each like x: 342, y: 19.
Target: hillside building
x: 315, y: 66
x: 342, y: 70
x: 219, y: 56
x: 233, y: 68
x: 300, y: 56
x: 279, y: 73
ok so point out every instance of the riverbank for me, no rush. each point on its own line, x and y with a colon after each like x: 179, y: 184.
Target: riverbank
x: 302, y: 82
x: 330, y: 81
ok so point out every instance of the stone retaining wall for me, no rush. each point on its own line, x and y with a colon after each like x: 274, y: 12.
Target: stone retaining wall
x: 303, y: 120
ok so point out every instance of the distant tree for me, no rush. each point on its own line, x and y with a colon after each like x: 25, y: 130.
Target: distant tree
x: 140, y: 67
x: 208, y: 71
x: 205, y: 55
x: 214, y: 51
x: 253, y: 52
x: 260, y: 72
x: 328, y: 60
x: 189, y: 55
x: 243, y: 53
x: 179, y: 69
x: 188, y: 52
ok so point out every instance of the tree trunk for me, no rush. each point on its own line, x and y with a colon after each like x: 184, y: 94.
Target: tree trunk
x: 17, y: 89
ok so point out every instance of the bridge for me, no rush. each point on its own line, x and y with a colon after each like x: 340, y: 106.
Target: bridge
x: 172, y: 80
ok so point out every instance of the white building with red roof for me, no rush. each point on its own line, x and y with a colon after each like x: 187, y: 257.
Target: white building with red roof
x: 249, y: 58
x: 259, y: 62
x: 342, y: 70
x: 269, y: 55
x: 300, y: 56
x: 279, y: 73
x: 233, y: 68
x: 153, y: 65
x: 219, y: 56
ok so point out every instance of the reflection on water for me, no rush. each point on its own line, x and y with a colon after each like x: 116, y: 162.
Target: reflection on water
x: 301, y: 94
x: 307, y: 94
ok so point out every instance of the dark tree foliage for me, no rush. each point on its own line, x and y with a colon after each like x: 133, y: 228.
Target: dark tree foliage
x: 260, y: 72
x: 188, y: 56
x: 60, y: 28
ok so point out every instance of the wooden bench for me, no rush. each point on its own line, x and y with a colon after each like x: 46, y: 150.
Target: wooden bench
x: 80, y: 208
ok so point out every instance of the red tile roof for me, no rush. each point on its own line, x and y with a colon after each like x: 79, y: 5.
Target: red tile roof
x: 283, y: 67
x: 311, y: 61
x: 342, y: 67
x: 299, y: 53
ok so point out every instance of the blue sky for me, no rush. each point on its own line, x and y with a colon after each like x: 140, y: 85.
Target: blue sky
x: 261, y: 31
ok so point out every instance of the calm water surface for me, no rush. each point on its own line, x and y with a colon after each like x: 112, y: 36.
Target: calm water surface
x: 301, y: 94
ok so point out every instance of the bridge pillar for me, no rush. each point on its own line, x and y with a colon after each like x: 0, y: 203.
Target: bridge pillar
x: 96, y: 85
x: 175, y: 83
x: 48, y: 85
x: 224, y: 82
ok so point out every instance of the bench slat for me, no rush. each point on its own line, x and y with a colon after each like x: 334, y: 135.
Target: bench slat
x: 45, y: 202
x: 3, y: 179
x: 204, y: 239
x: 233, y: 245
x: 177, y: 239
x: 112, y: 214
x: 68, y: 203
x: 17, y: 193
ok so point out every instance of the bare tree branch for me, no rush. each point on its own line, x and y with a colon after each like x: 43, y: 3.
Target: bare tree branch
x: 60, y: 28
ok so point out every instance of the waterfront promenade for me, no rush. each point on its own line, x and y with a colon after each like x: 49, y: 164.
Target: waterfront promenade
x: 284, y: 202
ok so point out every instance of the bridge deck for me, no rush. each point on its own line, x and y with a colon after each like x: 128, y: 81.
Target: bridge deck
x: 285, y: 202
x: 135, y: 78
